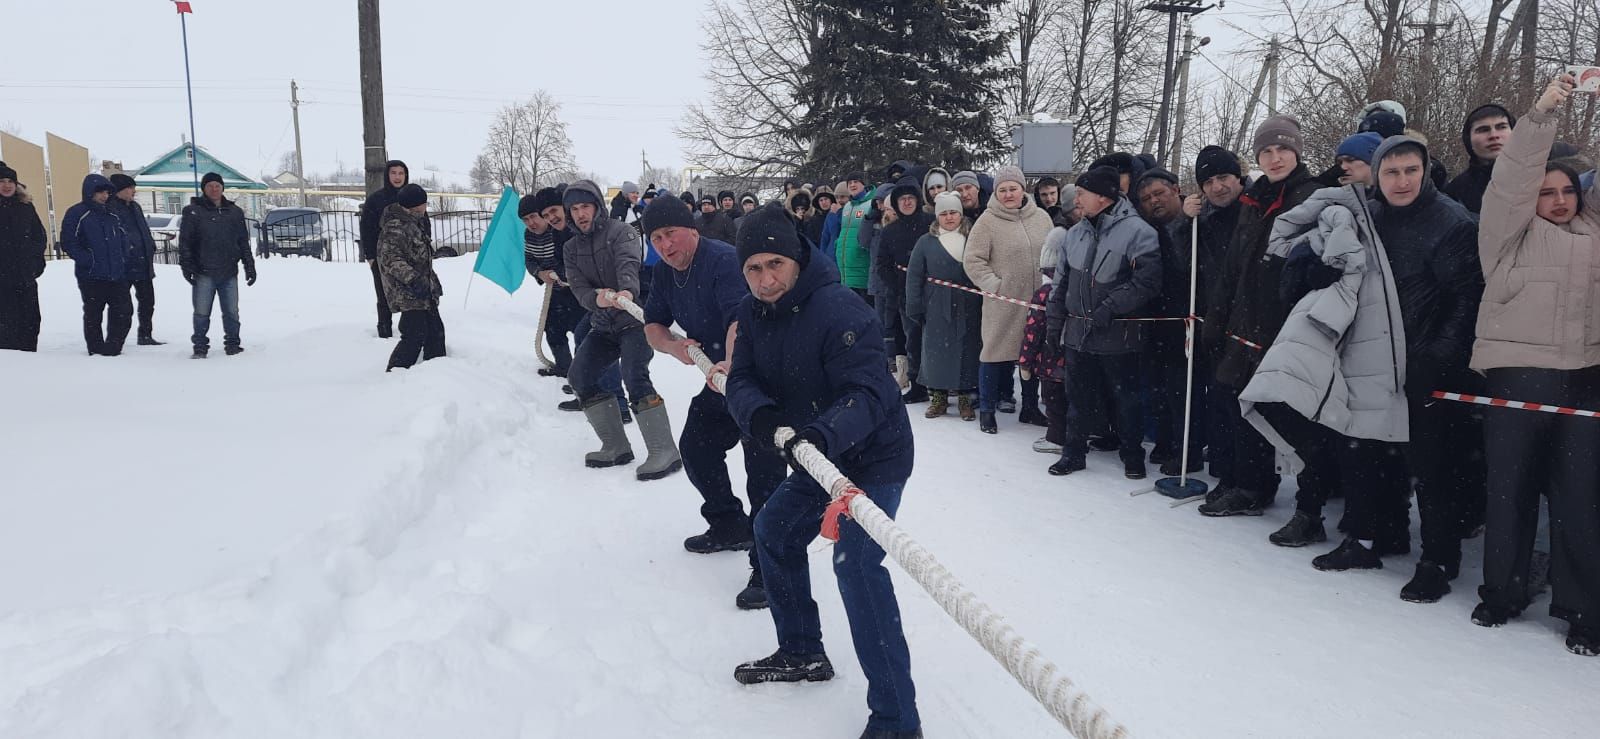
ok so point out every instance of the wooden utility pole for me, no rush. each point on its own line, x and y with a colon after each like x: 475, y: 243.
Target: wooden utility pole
x: 1173, y: 9
x: 1272, y: 63
x: 1255, y: 98
x: 1183, y: 95
x: 372, y: 133
x: 1530, y: 43
x: 299, y: 153
x: 1116, y: 74
x: 1430, y: 32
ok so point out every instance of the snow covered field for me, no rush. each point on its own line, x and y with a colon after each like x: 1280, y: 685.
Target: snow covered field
x: 291, y: 543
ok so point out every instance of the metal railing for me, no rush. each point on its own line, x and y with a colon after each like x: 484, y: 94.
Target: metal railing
x: 335, y: 235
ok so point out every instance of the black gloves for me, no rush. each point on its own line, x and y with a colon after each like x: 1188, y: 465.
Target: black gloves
x: 187, y: 275
x: 764, y: 426
x: 1101, y: 316
x: 808, y: 435
x: 250, y: 277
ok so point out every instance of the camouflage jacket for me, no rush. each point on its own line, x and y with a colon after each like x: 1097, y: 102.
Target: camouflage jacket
x: 405, y: 257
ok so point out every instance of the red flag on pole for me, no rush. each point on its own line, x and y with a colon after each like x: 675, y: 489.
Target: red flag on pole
x: 183, y: 7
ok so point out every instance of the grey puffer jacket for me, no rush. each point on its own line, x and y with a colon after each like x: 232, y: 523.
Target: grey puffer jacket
x: 1111, y: 260
x: 608, y: 256
x: 1340, y: 358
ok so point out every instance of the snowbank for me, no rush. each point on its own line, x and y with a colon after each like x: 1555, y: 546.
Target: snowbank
x: 292, y: 543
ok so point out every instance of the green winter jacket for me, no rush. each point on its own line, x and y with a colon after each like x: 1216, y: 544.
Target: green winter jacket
x: 854, y: 262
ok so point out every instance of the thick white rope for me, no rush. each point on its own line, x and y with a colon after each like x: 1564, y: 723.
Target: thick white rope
x: 1022, y: 658
x: 544, y: 317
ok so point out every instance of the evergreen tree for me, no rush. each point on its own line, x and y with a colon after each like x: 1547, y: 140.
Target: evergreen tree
x: 917, y: 81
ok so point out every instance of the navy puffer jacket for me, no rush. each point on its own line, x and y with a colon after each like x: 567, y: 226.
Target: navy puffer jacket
x: 94, y: 237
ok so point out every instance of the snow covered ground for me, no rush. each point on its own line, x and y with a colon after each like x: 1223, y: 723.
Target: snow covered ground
x: 291, y: 543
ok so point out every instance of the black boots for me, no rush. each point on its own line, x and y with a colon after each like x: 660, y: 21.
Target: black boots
x: 754, y: 595
x: 713, y: 541
x: 1067, y: 466
x: 386, y: 330
x: 1032, y: 417
x: 1133, y: 470
x: 1431, y: 583
x: 1301, y: 530
x: 783, y: 667
x: 1233, y: 502
x: 986, y: 422
x: 148, y: 340
x: 199, y: 353
x: 232, y: 349
x: 1350, y: 555
x: 1490, y: 616
x: 1583, y: 641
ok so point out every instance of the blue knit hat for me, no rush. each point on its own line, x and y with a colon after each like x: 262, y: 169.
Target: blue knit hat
x: 1360, y: 146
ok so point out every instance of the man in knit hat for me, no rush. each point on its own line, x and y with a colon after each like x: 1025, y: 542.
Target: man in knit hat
x: 1354, y: 156
x: 544, y: 256
x: 713, y: 223
x: 966, y: 184
x: 213, y: 241
x: 1247, y: 311
x: 22, y: 243
x: 807, y: 359
x: 603, y: 260
x: 405, y: 258
x: 698, y: 285
x: 141, y: 267
x: 1214, y: 211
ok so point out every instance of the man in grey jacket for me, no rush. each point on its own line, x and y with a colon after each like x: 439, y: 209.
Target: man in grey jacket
x: 603, y: 259
x: 1110, y: 269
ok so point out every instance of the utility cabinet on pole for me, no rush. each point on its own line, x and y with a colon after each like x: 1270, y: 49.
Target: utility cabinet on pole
x: 372, y: 133
x: 1042, y: 148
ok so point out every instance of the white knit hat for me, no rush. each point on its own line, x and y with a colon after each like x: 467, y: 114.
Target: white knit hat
x: 947, y: 201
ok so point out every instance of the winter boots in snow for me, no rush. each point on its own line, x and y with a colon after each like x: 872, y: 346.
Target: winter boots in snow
x: 1351, y: 555
x: 199, y: 353
x: 967, y: 408
x: 986, y: 422
x: 1133, y: 470
x: 938, y: 404
x: 1583, y: 641
x: 1233, y: 502
x: 232, y: 349
x: 1032, y: 416
x: 902, y: 371
x: 1043, y: 445
x: 917, y: 394
x: 1302, y: 529
x: 720, y: 540
x: 606, y: 420
x: 1431, y: 583
x: 662, y: 460
x: 148, y: 340
x: 1068, y: 465
x: 1490, y: 616
x: 783, y: 667
x: 754, y: 595
x: 872, y: 733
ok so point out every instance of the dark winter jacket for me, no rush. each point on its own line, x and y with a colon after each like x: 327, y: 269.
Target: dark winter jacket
x: 372, y: 210
x: 1041, y: 352
x: 1468, y: 187
x: 1432, y: 245
x: 213, y: 240
x: 1216, y: 230
x: 1249, y: 305
x: 816, y: 358
x: 814, y: 225
x: 22, y: 240
x: 702, y: 300
x: 897, y: 240
x: 716, y: 226
x: 608, y: 256
x: 142, y: 265
x: 95, y: 238
x: 405, y: 259
x: 1110, y: 268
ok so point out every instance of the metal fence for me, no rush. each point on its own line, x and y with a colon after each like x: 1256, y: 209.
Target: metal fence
x: 335, y: 235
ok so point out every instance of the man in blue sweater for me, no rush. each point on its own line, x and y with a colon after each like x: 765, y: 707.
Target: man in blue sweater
x: 697, y: 284
x: 809, y: 356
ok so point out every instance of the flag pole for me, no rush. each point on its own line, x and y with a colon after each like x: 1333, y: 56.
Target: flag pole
x: 188, y: 84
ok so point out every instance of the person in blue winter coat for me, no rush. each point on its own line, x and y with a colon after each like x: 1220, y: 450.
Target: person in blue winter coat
x: 99, y: 243
x: 808, y: 357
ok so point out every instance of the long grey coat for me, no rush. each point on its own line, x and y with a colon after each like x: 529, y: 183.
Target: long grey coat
x: 952, y: 320
x: 1340, y: 358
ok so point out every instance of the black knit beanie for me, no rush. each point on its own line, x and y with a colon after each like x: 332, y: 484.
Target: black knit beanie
x: 769, y: 230
x: 122, y: 182
x: 211, y: 177
x: 411, y: 195
x: 1103, y: 181
x: 666, y: 213
x: 1215, y: 160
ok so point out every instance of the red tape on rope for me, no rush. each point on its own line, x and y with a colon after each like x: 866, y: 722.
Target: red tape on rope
x: 1517, y: 404
x: 839, y: 507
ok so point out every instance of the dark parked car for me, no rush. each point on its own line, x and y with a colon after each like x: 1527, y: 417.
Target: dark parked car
x: 293, y: 231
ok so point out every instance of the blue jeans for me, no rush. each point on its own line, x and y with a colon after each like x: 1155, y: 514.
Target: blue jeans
x: 996, y: 381
x: 788, y: 523
x: 611, y: 377
x: 225, y: 292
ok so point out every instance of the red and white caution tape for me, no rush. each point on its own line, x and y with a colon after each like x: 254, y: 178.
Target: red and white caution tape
x: 1024, y: 303
x: 1519, y: 405
x: 1038, y: 674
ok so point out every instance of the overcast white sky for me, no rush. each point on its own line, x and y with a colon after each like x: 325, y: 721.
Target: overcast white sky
x: 623, y: 70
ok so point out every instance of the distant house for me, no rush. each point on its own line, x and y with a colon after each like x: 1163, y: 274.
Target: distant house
x: 173, y: 169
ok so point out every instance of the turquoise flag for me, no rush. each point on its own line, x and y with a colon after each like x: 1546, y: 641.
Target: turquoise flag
x: 500, y: 256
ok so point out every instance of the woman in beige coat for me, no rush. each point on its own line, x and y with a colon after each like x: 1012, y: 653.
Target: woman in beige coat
x: 1539, y: 342
x: 1002, y: 257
